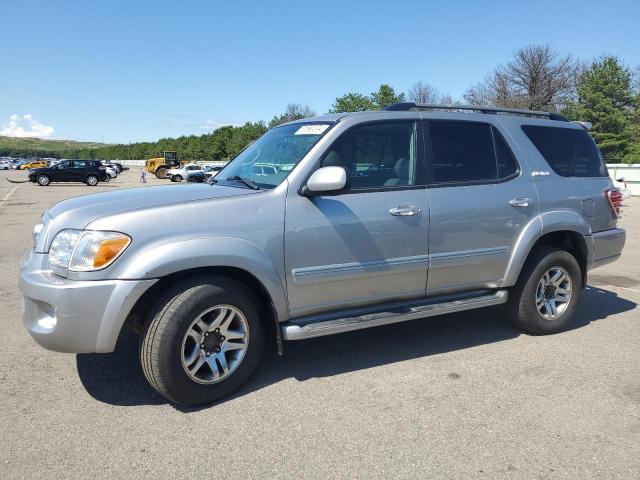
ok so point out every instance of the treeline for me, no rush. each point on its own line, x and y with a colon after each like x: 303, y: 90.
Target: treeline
x: 603, y: 91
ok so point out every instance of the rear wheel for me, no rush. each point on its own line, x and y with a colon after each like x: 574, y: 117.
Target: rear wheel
x: 177, y: 178
x: 91, y: 180
x: 204, y: 341
x: 43, y: 180
x: 161, y: 172
x: 546, y: 296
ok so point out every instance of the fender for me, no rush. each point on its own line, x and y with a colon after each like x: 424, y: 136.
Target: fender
x: 161, y: 260
x: 537, y: 227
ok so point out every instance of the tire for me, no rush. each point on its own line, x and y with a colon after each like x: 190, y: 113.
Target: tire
x: 177, y: 178
x: 43, y: 180
x: 165, y: 338
x: 107, y: 179
x: 91, y: 180
x: 532, y: 300
x: 161, y: 173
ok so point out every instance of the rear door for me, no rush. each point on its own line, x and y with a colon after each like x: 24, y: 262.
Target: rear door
x: 368, y: 245
x: 480, y: 202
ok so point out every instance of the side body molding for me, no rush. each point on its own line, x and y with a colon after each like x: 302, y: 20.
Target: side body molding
x: 165, y: 259
x: 537, y: 227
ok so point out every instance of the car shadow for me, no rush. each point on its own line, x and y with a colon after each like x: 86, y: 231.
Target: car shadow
x: 116, y: 378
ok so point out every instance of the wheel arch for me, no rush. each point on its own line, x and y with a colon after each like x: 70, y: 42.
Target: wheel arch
x: 561, y: 229
x: 138, y: 314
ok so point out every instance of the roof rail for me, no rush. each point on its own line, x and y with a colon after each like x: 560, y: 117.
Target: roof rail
x: 405, y: 106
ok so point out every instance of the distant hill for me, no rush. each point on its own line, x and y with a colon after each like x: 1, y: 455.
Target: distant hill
x: 39, y: 144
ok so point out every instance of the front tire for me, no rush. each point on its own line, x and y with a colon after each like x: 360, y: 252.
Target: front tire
x: 547, y: 293
x: 161, y: 173
x: 204, y: 341
x: 43, y: 180
x: 177, y: 178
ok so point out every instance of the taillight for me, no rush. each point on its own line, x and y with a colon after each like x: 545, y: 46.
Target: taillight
x: 615, y: 200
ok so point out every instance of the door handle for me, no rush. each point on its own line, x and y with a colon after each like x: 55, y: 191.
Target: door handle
x: 520, y: 202
x: 405, y: 210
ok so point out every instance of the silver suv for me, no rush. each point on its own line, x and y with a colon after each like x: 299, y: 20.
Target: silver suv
x: 366, y: 219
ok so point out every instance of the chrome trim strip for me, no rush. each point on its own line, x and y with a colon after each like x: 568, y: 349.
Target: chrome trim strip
x: 347, y: 271
x: 300, y: 331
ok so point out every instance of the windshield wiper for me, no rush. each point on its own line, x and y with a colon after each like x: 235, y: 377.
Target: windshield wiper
x: 247, y: 181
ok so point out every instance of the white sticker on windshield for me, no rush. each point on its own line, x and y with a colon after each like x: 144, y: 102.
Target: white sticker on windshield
x: 316, y: 129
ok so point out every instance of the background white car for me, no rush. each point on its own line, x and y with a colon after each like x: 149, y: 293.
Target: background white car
x: 5, y: 165
x: 621, y: 184
x: 179, y: 174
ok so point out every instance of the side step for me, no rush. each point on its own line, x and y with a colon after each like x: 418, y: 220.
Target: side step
x: 318, y: 326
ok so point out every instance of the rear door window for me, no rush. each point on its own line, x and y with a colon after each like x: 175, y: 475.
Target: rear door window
x: 569, y: 152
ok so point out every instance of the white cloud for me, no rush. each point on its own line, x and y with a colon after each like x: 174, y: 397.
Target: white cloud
x: 25, y: 126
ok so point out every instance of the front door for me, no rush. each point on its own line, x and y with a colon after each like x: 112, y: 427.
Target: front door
x: 481, y: 199
x: 368, y: 245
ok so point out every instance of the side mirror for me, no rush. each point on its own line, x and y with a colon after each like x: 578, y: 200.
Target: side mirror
x: 326, y: 181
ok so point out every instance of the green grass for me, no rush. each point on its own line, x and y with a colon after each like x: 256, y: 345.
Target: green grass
x: 35, y: 144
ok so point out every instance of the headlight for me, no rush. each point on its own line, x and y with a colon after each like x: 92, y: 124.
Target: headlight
x: 86, y: 250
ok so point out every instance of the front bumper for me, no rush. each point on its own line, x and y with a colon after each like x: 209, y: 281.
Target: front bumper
x: 75, y: 316
x: 607, y: 246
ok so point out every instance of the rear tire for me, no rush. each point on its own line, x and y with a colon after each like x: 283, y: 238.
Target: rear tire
x: 547, y: 293
x: 91, y: 180
x: 174, y: 356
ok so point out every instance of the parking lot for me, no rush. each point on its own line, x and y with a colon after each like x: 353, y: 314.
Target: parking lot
x: 458, y: 396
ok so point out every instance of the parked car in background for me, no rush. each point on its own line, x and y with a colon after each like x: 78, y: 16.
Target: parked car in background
x: 386, y: 217
x: 117, y: 165
x: 5, y: 165
x: 16, y: 164
x: 621, y: 184
x: 181, y: 173
x: 90, y: 172
x: 112, y: 170
x: 201, y: 176
x: 33, y: 164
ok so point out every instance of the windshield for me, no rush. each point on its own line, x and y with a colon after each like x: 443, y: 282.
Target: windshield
x: 268, y: 160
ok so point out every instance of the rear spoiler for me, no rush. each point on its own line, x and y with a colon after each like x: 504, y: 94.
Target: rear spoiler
x: 586, y: 125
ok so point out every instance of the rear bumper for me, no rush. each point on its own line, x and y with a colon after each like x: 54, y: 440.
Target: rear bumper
x: 75, y: 316
x: 607, y: 246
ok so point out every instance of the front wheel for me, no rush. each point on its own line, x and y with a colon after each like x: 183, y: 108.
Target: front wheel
x: 547, y: 293
x: 43, y: 180
x: 161, y: 173
x: 177, y: 178
x: 204, y: 341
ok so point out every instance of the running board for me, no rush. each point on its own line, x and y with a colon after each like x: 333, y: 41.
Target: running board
x: 317, y: 326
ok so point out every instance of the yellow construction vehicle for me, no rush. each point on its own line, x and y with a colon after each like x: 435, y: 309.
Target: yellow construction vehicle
x: 160, y: 165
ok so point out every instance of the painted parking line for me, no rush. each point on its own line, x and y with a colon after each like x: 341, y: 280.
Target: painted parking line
x: 6, y: 197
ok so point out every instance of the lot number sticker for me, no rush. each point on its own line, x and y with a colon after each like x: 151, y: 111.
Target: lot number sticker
x: 312, y: 129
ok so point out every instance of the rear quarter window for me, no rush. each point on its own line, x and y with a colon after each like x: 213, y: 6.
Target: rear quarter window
x: 569, y: 152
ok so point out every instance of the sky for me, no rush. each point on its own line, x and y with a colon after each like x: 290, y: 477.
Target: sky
x: 126, y: 71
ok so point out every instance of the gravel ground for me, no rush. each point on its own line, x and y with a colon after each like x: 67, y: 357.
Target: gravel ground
x: 458, y: 396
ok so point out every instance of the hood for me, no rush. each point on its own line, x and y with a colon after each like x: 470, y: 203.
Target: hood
x: 78, y: 212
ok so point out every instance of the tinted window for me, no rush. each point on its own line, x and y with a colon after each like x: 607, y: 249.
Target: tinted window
x: 462, y: 152
x: 377, y: 155
x: 79, y: 164
x: 569, y: 152
x: 507, y: 165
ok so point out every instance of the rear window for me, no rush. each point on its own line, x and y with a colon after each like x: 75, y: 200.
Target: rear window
x: 569, y: 152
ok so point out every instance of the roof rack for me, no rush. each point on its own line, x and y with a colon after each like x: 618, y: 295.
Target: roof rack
x: 405, y: 106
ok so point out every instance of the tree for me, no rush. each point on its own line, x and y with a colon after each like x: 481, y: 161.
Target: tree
x: 385, y: 96
x: 536, y: 78
x: 352, y: 102
x: 425, y: 93
x: 606, y: 100
x: 294, y: 111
